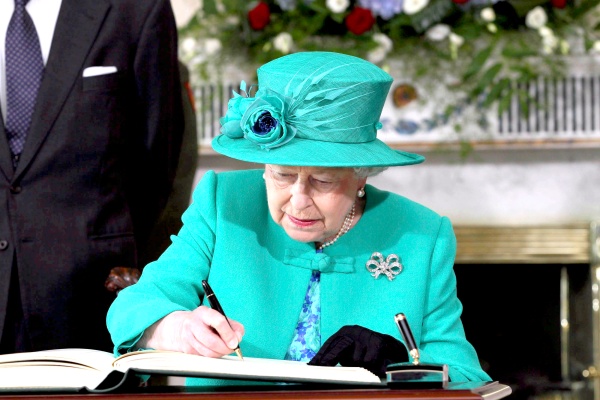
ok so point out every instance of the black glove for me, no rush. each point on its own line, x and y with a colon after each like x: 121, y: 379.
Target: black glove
x: 356, y: 346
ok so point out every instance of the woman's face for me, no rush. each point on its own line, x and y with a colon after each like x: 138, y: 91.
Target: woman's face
x: 310, y: 203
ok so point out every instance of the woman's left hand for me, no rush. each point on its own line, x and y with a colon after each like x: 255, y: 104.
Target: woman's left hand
x: 356, y: 346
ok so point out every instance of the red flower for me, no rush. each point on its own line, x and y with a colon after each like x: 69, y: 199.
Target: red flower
x: 359, y: 20
x: 559, y: 3
x: 259, y: 16
x: 460, y: 1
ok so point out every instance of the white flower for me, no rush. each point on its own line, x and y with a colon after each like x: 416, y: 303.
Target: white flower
x: 456, y: 40
x: 338, y: 6
x: 438, y: 32
x: 232, y: 20
x: 283, y: 42
x: 184, y: 10
x: 595, y: 47
x: 411, y: 7
x: 550, y: 43
x: 545, y: 31
x: 383, y: 41
x: 488, y: 14
x: 492, y: 27
x: 377, y: 55
x: 188, y: 45
x: 212, y: 46
x: 536, y: 18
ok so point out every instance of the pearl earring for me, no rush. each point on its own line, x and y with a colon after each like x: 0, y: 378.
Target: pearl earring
x: 361, y: 192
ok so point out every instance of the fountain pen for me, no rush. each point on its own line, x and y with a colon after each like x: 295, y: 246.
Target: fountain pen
x: 214, y: 303
x: 406, y: 333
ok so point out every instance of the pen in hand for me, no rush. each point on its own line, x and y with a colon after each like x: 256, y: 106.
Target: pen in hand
x: 214, y: 303
x: 408, y: 337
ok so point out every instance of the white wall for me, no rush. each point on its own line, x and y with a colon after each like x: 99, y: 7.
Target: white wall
x: 491, y: 187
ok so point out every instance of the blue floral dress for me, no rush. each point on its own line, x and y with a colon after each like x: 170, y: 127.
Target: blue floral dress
x: 307, y: 339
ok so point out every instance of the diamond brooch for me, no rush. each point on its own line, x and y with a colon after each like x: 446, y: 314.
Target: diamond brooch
x: 389, y: 266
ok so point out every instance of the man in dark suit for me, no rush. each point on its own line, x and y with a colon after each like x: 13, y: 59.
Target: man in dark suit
x: 95, y: 171
x: 169, y: 221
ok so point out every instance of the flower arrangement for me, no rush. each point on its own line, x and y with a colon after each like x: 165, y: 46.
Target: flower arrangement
x: 474, y: 47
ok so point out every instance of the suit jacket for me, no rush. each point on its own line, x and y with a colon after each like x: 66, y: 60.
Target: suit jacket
x: 261, y: 275
x: 169, y: 221
x: 96, y: 169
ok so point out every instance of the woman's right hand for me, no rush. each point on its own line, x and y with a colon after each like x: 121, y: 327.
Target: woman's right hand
x: 203, y: 331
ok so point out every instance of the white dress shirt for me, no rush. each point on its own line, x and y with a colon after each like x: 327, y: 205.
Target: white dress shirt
x: 44, y: 14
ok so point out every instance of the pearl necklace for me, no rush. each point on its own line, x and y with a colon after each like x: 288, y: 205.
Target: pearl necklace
x: 345, y: 228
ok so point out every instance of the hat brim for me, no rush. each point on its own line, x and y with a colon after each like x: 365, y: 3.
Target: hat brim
x: 311, y: 153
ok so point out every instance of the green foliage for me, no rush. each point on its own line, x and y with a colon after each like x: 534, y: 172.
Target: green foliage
x: 486, y: 58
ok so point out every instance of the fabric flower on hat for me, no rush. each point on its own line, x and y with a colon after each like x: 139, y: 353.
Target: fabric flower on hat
x: 236, y: 107
x: 260, y: 119
x: 264, y: 121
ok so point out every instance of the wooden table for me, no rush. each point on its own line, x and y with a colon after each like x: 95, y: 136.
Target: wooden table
x: 455, y: 392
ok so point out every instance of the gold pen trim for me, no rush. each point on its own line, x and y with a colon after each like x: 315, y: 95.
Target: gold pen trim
x: 239, y: 353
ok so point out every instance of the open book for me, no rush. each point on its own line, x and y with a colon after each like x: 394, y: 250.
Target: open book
x: 98, y: 371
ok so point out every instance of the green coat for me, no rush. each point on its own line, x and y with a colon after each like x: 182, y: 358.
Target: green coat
x: 261, y: 275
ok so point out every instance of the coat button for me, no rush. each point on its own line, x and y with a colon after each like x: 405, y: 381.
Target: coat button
x: 3, y: 244
x: 15, y: 189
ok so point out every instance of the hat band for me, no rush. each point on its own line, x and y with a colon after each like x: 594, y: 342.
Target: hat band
x: 270, y: 119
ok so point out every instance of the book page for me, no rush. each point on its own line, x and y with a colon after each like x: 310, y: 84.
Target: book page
x: 43, y: 377
x: 54, y: 369
x: 85, y: 358
x: 174, y: 363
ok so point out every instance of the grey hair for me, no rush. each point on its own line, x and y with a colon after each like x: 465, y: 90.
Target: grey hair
x: 365, y: 172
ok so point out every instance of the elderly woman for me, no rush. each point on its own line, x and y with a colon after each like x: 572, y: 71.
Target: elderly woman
x: 304, y: 250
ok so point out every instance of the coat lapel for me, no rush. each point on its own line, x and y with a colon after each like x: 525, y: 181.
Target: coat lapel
x: 76, y: 28
x: 5, y: 156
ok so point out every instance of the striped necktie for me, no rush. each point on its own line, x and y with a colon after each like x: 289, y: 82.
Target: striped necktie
x: 24, y: 70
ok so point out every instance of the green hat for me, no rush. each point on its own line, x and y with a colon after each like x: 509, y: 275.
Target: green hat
x: 311, y: 109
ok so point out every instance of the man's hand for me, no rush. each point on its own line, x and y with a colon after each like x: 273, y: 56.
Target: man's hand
x: 121, y: 277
